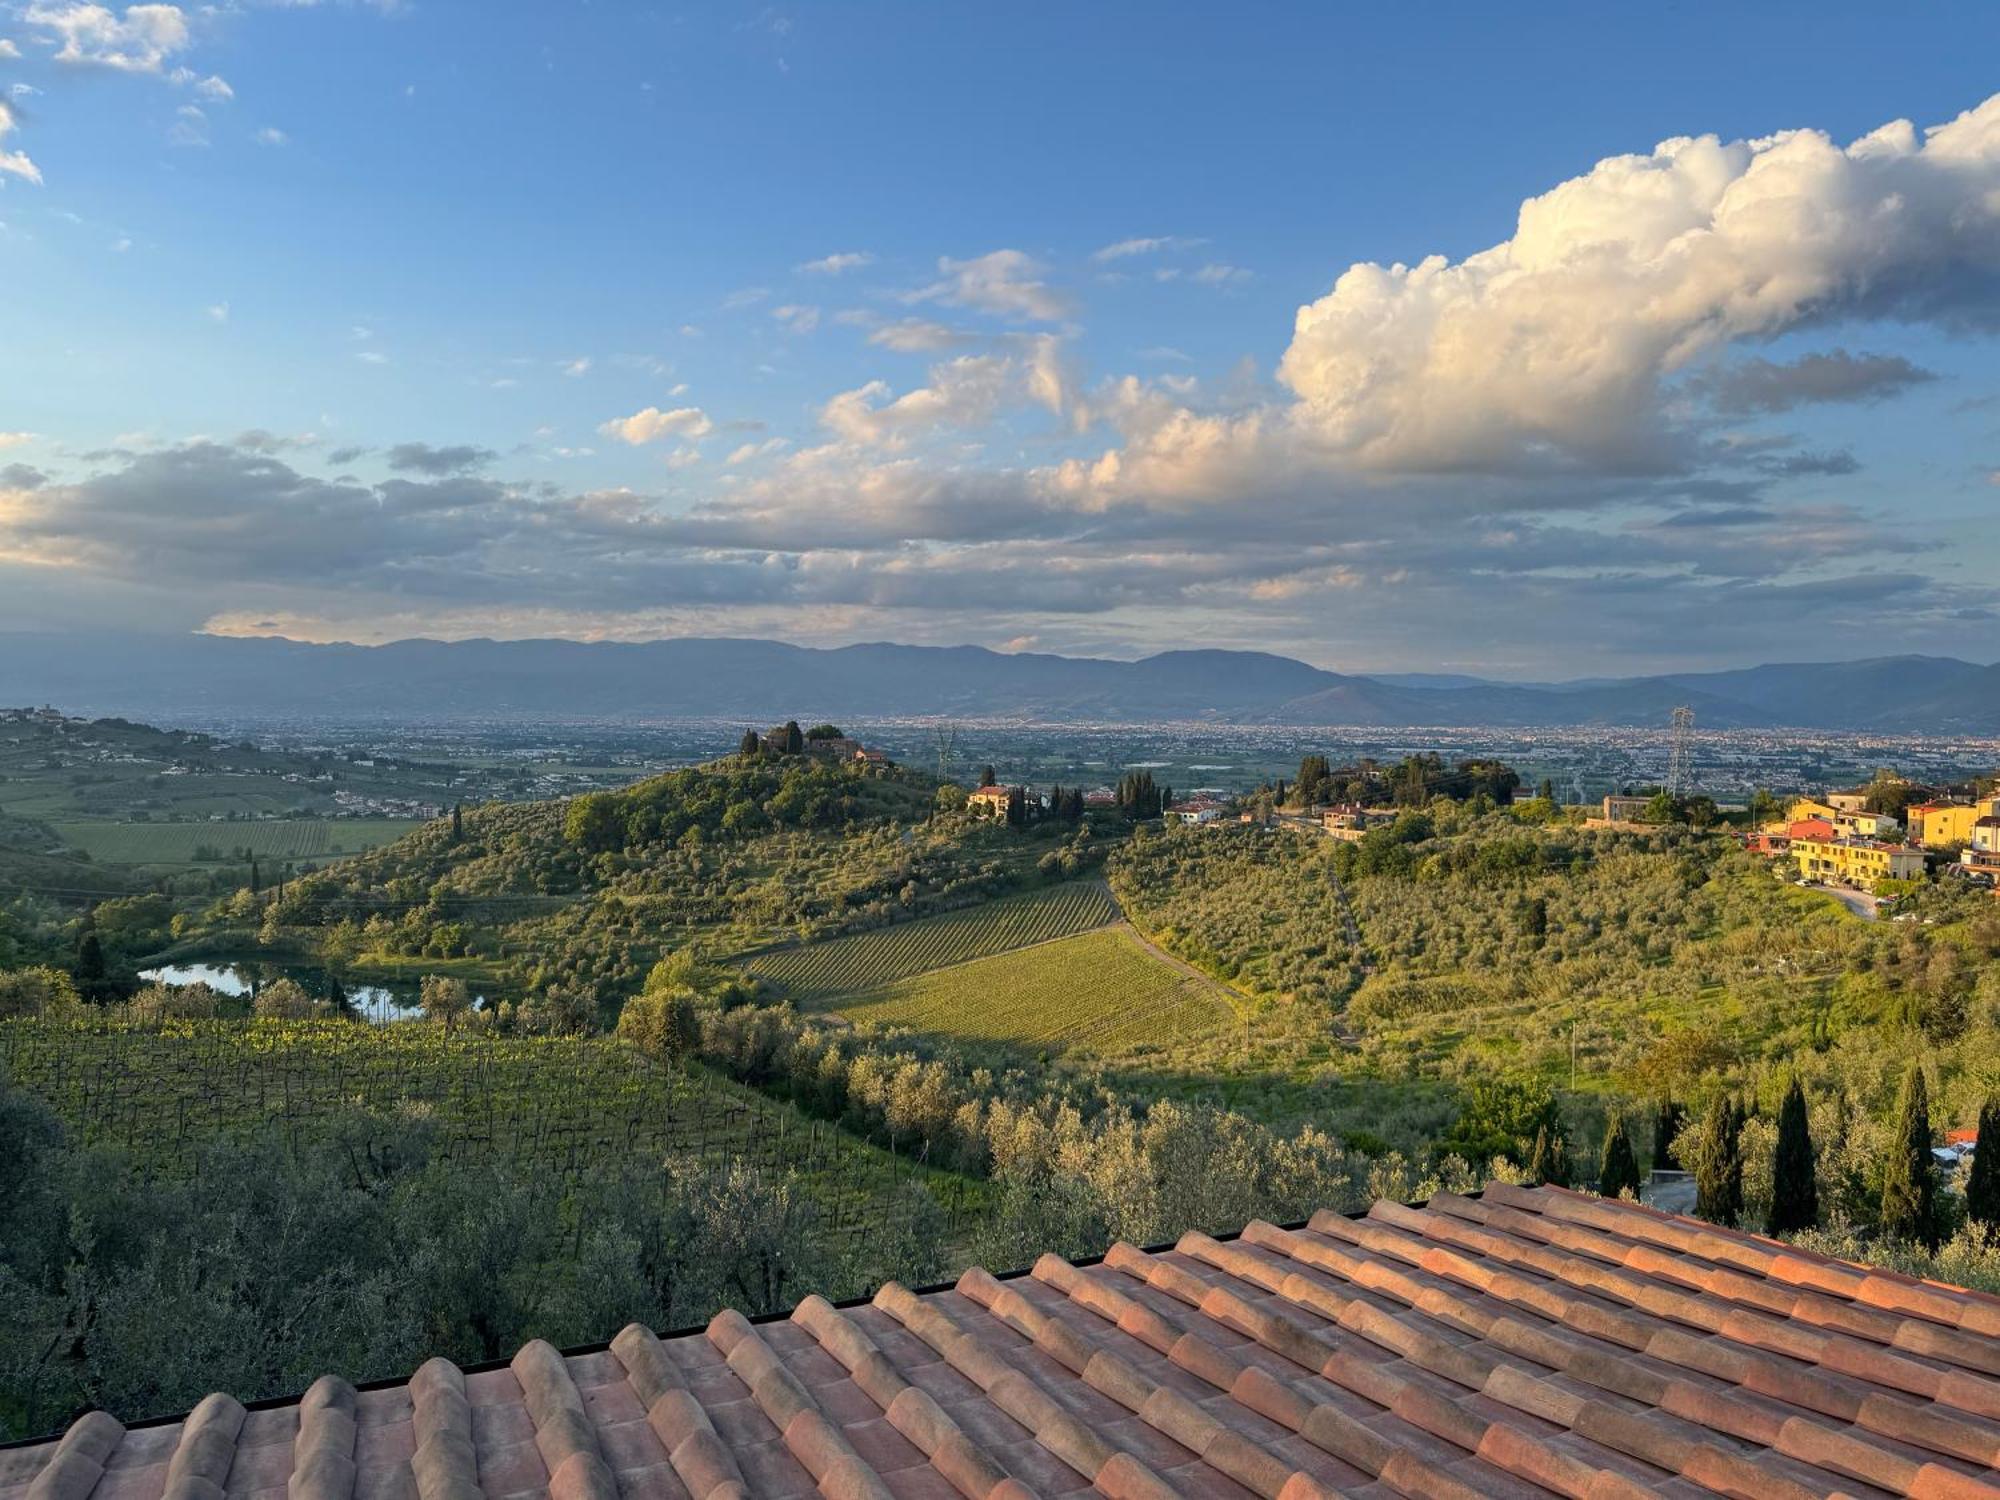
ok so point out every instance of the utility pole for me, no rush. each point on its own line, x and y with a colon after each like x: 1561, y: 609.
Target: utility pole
x: 944, y: 738
x: 1680, y: 756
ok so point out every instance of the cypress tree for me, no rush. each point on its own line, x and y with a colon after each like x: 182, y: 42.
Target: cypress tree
x: 986, y: 776
x: 795, y: 738
x: 1718, y: 1167
x: 1794, y: 1193
x: 89, y: 962
x: 1982, y: 1184
x: 1548, y: 791
x: 1667, y: 1122
x: 457, y: 821
x: 1549, y: 1160
x: 1618, y: 1169
x: 749, y: 744
x: 1909, y: 1176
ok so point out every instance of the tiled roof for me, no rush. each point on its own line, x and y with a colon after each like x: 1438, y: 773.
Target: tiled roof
x: 1532, y: 1342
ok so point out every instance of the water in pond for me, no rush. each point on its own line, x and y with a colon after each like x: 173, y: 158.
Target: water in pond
x: 373, y: 1002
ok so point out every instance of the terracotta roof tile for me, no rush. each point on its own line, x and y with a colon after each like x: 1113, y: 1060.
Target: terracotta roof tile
x: 1526, y: 1343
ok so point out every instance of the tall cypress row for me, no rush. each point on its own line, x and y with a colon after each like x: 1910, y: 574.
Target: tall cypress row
x: 1982, y: 1184
x: 1794, y: 1190
x: 1618, y: 1170
x: 1909, y: 1176
x: 1667, y: 1121
x: 1718, y: 1165
x: 1548, y: 1162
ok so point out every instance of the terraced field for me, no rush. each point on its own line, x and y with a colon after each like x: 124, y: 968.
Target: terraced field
x: 1104, y: 991
x: 276, y: 838
x: 814, y: 973
x: 554, y: 1105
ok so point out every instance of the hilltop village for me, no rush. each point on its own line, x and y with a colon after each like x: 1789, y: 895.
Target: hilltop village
x: 1875, y: 838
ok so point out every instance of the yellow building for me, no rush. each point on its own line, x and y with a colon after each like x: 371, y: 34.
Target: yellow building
x: 1866, y: 825
x: 1805, y: 807
x: 1936, y: 824
x: 1856, y: 862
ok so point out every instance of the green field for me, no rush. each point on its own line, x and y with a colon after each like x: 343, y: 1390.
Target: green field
x: 267, y: 839
x: 551, y: 1104
x: 817, y: 972
x: 1104, y: 991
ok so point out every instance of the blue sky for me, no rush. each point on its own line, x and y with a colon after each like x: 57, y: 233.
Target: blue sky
x: 948, y: 323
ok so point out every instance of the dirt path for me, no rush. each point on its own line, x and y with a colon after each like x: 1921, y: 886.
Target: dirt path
x: 1125, y: 921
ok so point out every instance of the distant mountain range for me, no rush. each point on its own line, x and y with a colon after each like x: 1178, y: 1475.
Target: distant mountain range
x: 165, y: 677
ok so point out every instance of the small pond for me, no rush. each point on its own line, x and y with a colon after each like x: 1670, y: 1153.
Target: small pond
x: 372, y: 1002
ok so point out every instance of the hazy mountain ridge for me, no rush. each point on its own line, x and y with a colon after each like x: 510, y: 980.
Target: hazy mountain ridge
x: 758, y: 680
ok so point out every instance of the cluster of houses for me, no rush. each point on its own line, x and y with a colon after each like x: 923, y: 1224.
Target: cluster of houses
x: 825, y: 746
x: 1197, y: 811
x: 1836, y: 840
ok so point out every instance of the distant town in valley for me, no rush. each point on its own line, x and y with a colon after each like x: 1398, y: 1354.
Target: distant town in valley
x: 899, y: 751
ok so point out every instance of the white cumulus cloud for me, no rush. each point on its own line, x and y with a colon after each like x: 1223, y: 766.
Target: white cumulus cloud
x: 652, y: 424
x: 14, y: 163
x: 138, y: 41
x: 1554, y: 344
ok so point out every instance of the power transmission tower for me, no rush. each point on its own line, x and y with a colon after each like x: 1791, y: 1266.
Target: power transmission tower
x: 944, y: 738
x: 1680, y: 760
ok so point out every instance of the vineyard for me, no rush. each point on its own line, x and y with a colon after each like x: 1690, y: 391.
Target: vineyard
x: 267, y: 839
x: 1101, y: 991
x: 542, y: 1105
x: 816, y: 972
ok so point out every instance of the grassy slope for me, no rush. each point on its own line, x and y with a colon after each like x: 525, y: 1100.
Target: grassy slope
x: 816, y: 972
x: 1102, y: 990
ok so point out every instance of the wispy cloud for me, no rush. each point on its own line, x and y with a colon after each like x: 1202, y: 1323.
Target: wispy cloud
x: 1144, y: 245
x: 1008, y: 283
x: 796, y: 318
x: 837, y: 263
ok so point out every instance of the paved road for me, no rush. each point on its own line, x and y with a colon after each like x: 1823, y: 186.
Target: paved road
x: 1859, y: 902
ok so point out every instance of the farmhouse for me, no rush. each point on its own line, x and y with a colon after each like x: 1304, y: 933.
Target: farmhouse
x: 1531, y: 1342
x: 1624, y: 809
x: 1350, y: 822
x: 1198, y: 810
x: 991, y: 800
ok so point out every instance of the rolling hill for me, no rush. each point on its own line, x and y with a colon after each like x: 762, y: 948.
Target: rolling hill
x: 169, y: 677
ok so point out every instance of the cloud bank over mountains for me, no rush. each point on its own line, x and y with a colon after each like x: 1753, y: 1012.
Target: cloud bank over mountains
x: 1572, y: 424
